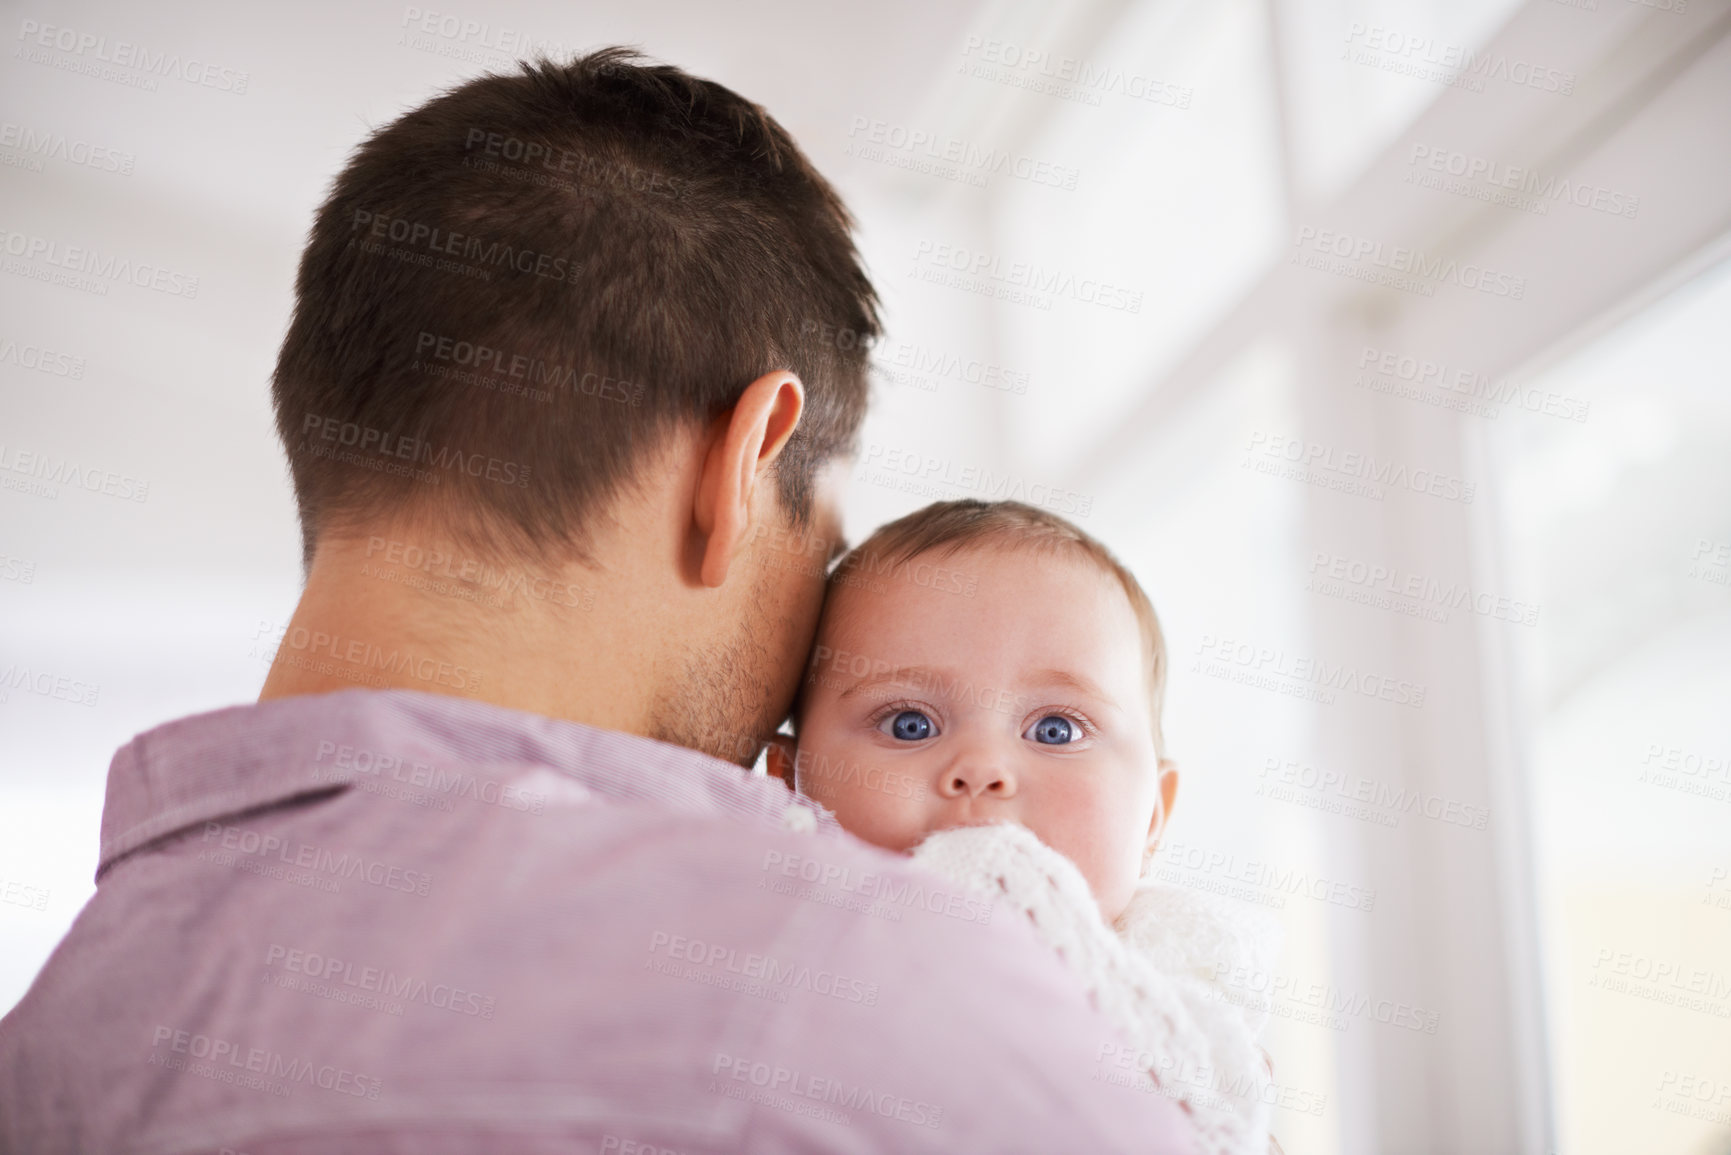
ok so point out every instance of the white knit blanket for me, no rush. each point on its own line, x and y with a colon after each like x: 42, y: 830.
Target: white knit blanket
x: 1154, y: 973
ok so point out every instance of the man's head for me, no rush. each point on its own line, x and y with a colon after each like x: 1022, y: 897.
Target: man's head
x: 981, y: 662
x: 540, y: 297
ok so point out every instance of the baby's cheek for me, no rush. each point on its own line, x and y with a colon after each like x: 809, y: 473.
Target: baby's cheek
x: 881, y: 806
x: 1099, y: 836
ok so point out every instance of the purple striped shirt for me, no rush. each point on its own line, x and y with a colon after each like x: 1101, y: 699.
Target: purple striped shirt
x: 392, y: 921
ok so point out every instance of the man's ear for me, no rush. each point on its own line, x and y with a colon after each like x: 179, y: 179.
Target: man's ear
x: 743, y: 445
x: 1168, y: 795
x: 779, y: 758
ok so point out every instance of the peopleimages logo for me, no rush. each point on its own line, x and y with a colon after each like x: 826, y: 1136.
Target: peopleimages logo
x: 1131, y: 1067
x: 60, y: 687
x: 357, y: 763
x: 539, y: 162
x: 1662, y: 980
x: 87, y: 51
x: 785, y: 1083
x: 1178, y: 857
x: 1066, y: 77
x: 532, y: 376
x: 356, y: 658
x: 917, y: 144
x: 809, y: 766
x: 1398, y: 263
x: 1269, y: 990
x: 980, y: 270
x: 41, y: 145
x: 23, y: 894
x: 773, y: 974
x: 382, y: 981
x: 48, y: 471
x: 480, y: 36
x: 1694, y: 1096
x: 890, y: 891
x: 260, y: 1062
x: 1427, y: 58
x: 81, y: 261
x: 1268, y: 668
x: 17, y: 569
x: 365, y: 439
x: 1515, y: 185
x: 392, y: 560
x: 844, y: 669
x: 463, y: 246
x: 347, y: 865
x: 1280, y: 779
x: 1404, y: 374
x: 922, y: 367
x: 892, y: 466
x: 40, y: 359
x: 1711, y: 561
x: 1349, y: 470
x: 1389, y: 587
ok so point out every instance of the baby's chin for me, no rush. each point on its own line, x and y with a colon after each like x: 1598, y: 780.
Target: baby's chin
x: 913, y: 841
x: 1111, y: 896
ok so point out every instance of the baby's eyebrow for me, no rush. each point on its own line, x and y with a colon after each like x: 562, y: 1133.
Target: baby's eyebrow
x: 950, y: 684
x: 1069, y: 680
x: 918, y: 677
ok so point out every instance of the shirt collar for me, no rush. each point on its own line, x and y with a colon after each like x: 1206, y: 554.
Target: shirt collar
x: 208, y: 766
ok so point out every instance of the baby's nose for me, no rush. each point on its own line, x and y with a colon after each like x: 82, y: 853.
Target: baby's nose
x: 971, y: 777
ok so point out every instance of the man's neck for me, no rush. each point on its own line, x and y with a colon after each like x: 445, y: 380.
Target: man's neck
x: 402, y: 610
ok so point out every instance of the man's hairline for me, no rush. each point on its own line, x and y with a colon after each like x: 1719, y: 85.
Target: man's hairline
x: 423, y: 517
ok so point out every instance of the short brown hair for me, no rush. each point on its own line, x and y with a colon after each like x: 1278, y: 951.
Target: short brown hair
x: 639, y: 242
x: 947, y: 527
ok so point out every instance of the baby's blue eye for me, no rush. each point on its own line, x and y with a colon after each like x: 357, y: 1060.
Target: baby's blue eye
x: 911, y: 726
x: 1055, y: 730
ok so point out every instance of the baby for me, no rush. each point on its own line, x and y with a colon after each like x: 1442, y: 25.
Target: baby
x: 985, y: 694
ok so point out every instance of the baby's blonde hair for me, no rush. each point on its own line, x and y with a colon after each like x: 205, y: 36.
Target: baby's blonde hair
x: 947, y: 527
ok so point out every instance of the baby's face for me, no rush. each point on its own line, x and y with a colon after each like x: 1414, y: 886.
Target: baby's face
x: 926, y: 709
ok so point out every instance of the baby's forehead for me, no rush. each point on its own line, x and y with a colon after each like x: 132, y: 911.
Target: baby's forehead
x: 966, y: 621
x: 868, y: 584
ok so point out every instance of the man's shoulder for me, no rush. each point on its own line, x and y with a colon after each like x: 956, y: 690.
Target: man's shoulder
x: 602, y: 856
x: 601, y: 951
x: 788, y: 866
